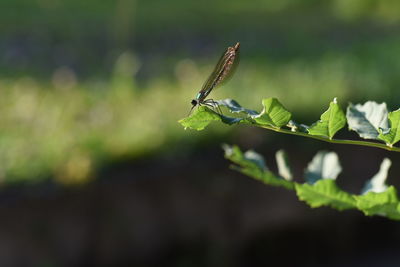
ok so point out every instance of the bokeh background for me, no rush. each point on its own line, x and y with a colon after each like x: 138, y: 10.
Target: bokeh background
x: 95, y: 170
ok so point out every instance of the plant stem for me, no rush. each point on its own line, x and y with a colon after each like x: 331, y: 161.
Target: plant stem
x: 335, y: 141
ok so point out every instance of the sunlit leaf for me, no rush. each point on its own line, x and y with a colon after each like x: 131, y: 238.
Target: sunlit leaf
x: 203, y: 116
x: 331, y: 121
x: 324, y: 165
x: 325, y: 193
x: 367, y: 119
x: 283, y: 165
x: 385, y: 203
x: 252, y: 164
x: 200, y: 118
x: 377, y: 183
x: 321, y: 189
x: 393, y: 134
x: 273, y: 113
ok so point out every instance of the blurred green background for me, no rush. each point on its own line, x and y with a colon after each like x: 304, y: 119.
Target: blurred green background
x: 83, y: 83
x: 89, y: 86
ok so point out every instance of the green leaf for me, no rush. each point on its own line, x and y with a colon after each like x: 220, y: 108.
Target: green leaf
x: 325, y: 193
x: 273, y: 113
x: 324, y: 165
x: 393, y: 135
x: 200, y: 118
x: 331, y: 121
x: 283, y: 165
x: 252, y: 164
x: 265, y: 177
x: 384, y: 203
x: 377, y: 183
x: 367, y: 119
x: 249, y: 159
x: 203, y: 116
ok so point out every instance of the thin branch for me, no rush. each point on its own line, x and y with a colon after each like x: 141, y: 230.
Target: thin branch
x: 335, y: 141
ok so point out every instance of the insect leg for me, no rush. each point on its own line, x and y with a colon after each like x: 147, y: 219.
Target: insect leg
x: 214, y: 104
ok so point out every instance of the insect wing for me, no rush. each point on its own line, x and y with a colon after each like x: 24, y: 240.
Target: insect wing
x: 222, y: 71
x: 230, y: 69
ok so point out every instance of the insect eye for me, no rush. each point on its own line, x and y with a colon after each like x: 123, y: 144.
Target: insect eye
x: 194, y: 102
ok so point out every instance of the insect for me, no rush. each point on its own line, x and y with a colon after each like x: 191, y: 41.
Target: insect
x: 222, y: 72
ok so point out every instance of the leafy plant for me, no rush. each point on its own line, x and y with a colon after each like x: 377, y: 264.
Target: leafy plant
x: 369, y: 120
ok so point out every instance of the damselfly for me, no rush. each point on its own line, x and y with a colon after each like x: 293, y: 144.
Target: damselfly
x: 222, y: 72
